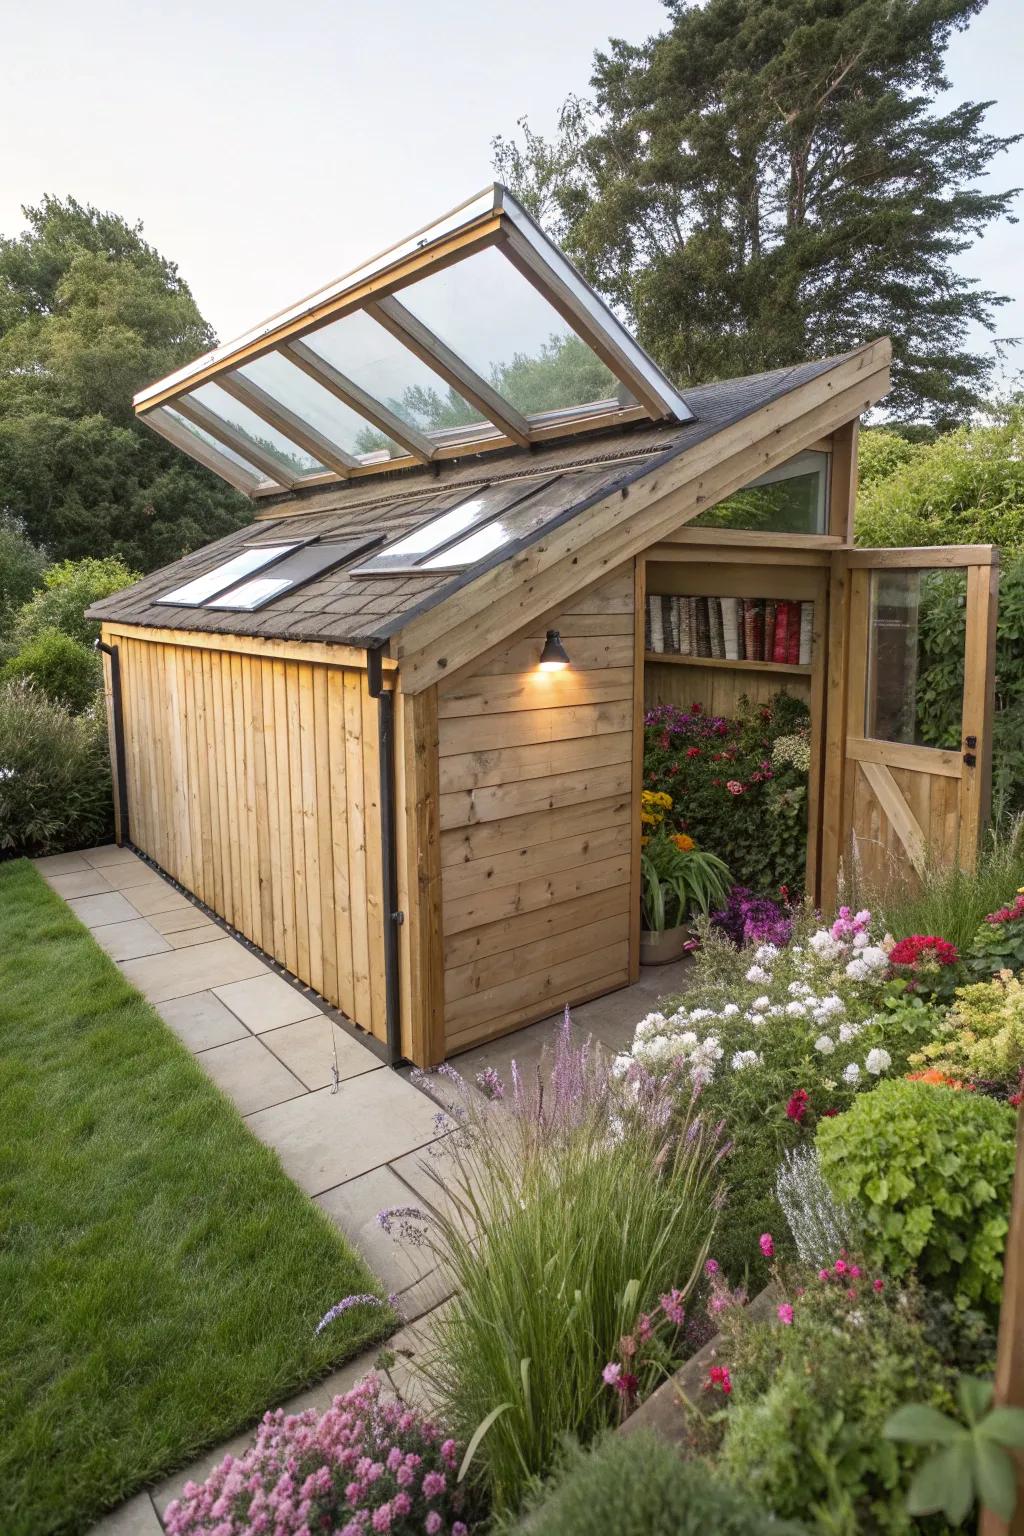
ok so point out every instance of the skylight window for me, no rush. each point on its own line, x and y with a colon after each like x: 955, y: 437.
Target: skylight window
x: 199, y: 591
x: 474, y: 334
x: 306, y: 563
x: 480, y: 507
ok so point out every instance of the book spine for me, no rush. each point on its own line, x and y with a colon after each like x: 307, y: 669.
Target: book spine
x: 648, y: 608
x: 673, y: 607
x: 794, y: 620
x: 715, y: 624
x: 730, y: 628
x: 683, y: 606
x: 741, y: 629
x: 768, y: 649
x: 781, y: 631
x: 703, y: 628
x: 657, y: 633
x: 666, y: 624
x: 806, y: 631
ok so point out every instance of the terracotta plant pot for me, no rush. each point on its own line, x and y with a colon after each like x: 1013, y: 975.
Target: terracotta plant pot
x: 659, y: 946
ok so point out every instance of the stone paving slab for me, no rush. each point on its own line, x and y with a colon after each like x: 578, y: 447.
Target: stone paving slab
x: 136, y: 1518
x: 130, y: 940
x: 209, y: 966
x: 312, y: 1047
x: 177, y: 918
x: 250, y: 1075
x: 201, y: 1021
x: 266, y: 1002
x: 97, y: 911
x: 157, y: 896
x: 353, y: 1208
x: 185, y: 938
x: 325, y: 1138
x: 60, y: 864
x: 79, y: 882
x: 109, y: 853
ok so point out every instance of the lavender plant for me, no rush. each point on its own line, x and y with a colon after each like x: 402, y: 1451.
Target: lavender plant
x: 566, y: 1206
x: 819, y: 1225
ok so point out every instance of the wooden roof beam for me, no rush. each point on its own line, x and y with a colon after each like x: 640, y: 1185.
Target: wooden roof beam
x: 349, y: 393
x: 162, y: 422
x: 430, y: 349
x: 294, y: 427
x: 198, y: 414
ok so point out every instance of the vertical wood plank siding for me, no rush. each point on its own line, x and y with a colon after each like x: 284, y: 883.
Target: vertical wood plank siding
x: 254, y: 781
x: 535, y: 787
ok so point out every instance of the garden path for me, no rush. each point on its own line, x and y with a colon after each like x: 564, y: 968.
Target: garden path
x: 271, y: 1048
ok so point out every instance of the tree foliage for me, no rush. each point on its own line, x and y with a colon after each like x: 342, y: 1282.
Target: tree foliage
x: 89, y: 313
x: 769, y: 180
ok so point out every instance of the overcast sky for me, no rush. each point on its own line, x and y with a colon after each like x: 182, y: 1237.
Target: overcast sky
x: 269, y: 145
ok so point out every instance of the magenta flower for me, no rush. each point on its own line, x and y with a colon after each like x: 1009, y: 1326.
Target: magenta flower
x: 823, y: 1274
x: 433, y: 1523
x: 611, y: 1373
x: 711, y: 1267
x: 433, y: 1484
x: 878, y: 1285
x: 767, y: 1246
x: 840, y: 1266
x: 784, y: 1313
x: 672, y: 1306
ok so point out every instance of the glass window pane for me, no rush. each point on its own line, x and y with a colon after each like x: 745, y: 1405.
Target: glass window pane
x: 916, y: 636
x: 378, y: 362
x: 247, y: 424
x: 478, y: 508
x: 791, y: 499
x: 306, y: 563
x: 317, y: 406
x: 214, y: 443
x: 507, y: 332
x: 206, y: 586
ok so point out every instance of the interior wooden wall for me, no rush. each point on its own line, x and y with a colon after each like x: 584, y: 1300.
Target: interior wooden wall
x: 254, y: 781
x: 535, y: 780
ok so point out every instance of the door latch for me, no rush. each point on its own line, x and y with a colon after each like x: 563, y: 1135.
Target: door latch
x: 970, y: 741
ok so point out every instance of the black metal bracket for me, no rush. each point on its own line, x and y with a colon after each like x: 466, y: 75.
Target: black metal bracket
x: 120, y: 762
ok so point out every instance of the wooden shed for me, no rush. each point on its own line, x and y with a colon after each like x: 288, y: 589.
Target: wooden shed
x: 392, y: 731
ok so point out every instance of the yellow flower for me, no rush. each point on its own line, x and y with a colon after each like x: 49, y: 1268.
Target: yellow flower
x: 649, y: 820
x: 683, y: 842
x: 644, y: 841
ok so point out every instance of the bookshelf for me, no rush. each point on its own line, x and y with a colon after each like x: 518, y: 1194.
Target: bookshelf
x: 675, y: 660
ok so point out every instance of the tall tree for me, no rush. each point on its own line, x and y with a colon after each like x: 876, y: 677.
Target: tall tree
x: 769, y: 180
x: 89, y: 312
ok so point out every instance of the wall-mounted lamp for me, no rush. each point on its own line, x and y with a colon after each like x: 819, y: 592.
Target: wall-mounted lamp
x: 554, y: 657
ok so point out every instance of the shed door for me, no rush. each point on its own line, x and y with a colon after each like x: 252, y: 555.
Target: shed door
x: 910, y: 783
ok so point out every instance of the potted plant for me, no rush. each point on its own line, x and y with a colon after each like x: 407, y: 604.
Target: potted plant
x: 675, y: 878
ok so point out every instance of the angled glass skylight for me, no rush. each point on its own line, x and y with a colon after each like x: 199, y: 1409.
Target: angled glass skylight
x: 409, y: 553
x: 475, y: 333
x: 198, y: 591
x: 306, y: 563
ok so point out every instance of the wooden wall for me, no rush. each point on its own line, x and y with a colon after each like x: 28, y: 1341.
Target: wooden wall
x: 536, y: 826
x: 254, y: 781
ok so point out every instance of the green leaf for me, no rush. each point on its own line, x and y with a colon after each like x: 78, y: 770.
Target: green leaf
x: 946, y: 1483
x: 478, y: 1435
x: 975, y: 1394
x: 1004, y: 1425
x: 920, y: 1425
x: 996, y: 1477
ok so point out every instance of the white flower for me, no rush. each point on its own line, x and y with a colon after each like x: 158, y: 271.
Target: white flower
x: 861, y: 940
x: 701, y: 1013
x: 765, y: 954
x: 761, y: 1002
x: 878, y: 1061
x: 799, y: 989
x: 757, y: 973
x: 796, y: 1009
x: 825, y: 1044
x: 745, y: 1059
x: 776, y: 1011
x: 831, y: 1004
x: 825, y: 946
x: 857, y: 970
x: 872, y: 958
x: 621, y: 1064
x: 757, y: 1019
x: 730, y: 1011
x: 848, y: 1032
x: 851, y: 1073
x: 650, y: 1026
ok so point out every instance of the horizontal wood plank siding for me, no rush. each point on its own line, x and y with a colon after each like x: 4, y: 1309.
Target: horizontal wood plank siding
x: 254, y: 781
x: 536, y: 820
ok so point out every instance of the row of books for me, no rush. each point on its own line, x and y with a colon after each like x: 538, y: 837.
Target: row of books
x: 734, y: 628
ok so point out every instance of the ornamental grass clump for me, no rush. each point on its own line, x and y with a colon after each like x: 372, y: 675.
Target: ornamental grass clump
x: 370, y: 1463
x: 571, y: 1205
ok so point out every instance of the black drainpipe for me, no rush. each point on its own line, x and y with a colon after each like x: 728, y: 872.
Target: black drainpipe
x: 393, y: 918
x: 118, y: 723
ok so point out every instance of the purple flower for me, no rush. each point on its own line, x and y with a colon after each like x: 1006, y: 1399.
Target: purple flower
x: 672, y: 1306
x: 411, y: 1221
x: 490, y: 1084
x: 711, y: 1266
x: 433, y: 1484
x: 350, y: 1302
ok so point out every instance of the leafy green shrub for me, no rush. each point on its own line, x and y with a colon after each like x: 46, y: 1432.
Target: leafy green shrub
x: 21, y: 569
x: 998, y: 944
x: 737, y: 786
x: 932, y: 1171
x: 639, y: 1486
x: 68, y: 590
x: 982, y: 1037
x: 675, y: 881
x: 55, y: 780
x: 810, y: 1397
x: 557, y: 1238
x: 64, y: 669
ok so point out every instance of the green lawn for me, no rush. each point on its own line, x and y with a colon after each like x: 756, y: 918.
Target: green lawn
x: 160, y: 1278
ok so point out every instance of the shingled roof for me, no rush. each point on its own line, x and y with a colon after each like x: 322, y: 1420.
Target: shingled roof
x: 366, y: 610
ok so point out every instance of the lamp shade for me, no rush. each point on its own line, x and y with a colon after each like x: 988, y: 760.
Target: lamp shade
x: 554, y: 656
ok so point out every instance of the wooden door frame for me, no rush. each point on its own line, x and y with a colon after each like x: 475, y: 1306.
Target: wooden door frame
x: 847, y: 662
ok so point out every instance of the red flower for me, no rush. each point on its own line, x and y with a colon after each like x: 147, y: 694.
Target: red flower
x: 797, y: 1106
x: 827, y: 1114
x: 693, y: 751
x: 922, y: 948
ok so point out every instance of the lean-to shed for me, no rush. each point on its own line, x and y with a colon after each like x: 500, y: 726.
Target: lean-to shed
x: 392, y: 730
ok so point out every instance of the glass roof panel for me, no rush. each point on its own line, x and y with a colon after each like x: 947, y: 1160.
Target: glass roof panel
x: 517, y: 521
x: 247, y: 424
x: 331, y: 417
x: 303, y: 566
x: 213, y: 442
x: 198, y: 591
x: 480, y: 507
x: 377, y: 361
x: 494, y: 319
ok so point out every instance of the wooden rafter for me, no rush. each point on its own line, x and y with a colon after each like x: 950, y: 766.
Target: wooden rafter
x: 430, y: 349
x: 279, y: 416
x: 162, y: 422
x: 198, y: 414
x: 349, y: 393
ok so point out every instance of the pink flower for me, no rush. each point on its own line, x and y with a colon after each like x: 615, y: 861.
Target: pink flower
x: 878, y: 1285
x: 711, y: 1266
x: 823, y: 1274
x: 785, y: 1313
x: 672, y: 1306
x: 459, y: 1529
x: 840, y: 1267
x: 401, y: 1503
x: 734, y: 787
x: 855, y: 1271
x: 796, y: 1109
x: 627, y: 1386
x: 627, y: 1346
x: 382, y: 1518
x: 432, y: 1523
x: 644, y: 1328
x: 433, y: 1484
x: 611, y: 1373
x: 767, y: 1246
x: 448, y: 1451
x: 405, y: 1476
